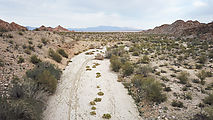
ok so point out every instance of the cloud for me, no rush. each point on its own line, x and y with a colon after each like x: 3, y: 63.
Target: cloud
x: 199, y: 4
x: 85, y: 13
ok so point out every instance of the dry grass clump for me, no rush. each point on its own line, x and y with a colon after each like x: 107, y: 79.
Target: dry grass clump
x: 92, y: 103
x: 97, y: 99
x: 93, y: 113
x: 100, y: 93
x: 106, y: 116
x: 93, y: 108
x: 98, y: 75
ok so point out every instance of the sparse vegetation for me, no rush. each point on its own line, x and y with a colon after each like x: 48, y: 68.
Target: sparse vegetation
x: 183, y: 77
x: 100, y: 93
x: 176, y: 103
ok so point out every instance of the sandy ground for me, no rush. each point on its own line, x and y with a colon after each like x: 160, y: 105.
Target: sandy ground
x: 78, y: 87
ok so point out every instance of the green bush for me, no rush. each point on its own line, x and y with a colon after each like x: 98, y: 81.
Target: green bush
x: 55, y: 56
x: 209, y: 99
x: 62, y: 53
x: 128, y: 69
x: 27, y: 51
x: 152, y: 90
x: 45, y: 75
x: 106, y: 116
x: 34, y: 59
x: 145, y: 60
x: 47, y: 80
x: 20, y: 59
x: 115, y: 63
x: 183, y: 77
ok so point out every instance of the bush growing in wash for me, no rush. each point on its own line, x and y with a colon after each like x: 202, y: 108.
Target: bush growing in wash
x: 45, y: 75
x: 152, y: 90
x: 115, y: 63
x: 55, y: 56
x: 128, y: 69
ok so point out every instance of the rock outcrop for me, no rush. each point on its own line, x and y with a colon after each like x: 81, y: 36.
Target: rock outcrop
x: 56, y: 29
x: 5, y: 26
x: 175, y: 28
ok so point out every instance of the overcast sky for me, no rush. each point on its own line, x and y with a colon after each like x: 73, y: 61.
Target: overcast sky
x: 141, y: 14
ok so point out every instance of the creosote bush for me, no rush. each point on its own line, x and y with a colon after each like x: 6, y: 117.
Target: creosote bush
x: 45, y: 75
x: 62, y: 53
x: 183, y: 77
x: 55, y: 56
x: 115, y: 63
x: 145, y: 60
x: 34, y: 59
x: 128, y: 69
x: 176, y: 103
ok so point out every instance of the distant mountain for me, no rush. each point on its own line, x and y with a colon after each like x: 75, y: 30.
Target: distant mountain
x: 5, y: 26
x: 103, y: 29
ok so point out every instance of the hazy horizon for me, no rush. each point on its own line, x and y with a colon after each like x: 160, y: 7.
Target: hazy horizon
x: 140, y: 14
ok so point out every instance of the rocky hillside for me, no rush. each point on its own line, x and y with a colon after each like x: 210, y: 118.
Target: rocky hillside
x: 204, y: 31
x: 5, y: 26
x: 56, y: 29
x: 175, y: 28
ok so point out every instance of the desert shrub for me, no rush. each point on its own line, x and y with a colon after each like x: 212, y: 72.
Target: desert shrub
x: 1, y: 63
x: 167, y: 89
x: 31, y: 47
x: 209, y: 99
x: 145, y: 60
x: 198, y: 66
x: 106, y: 116
x: 55, y: 56
x: 135, y: 53
x: 136, y: 80
x: 20, y: 59
x: 202, y: 59
x: 34, y: 59
x: 20, y: 33
x: 27, y: 51
x: 45, y: 75
x: 11, y: 41
x: 92, y: 103
x: 93, y: 113
x: 115, y: 63
x: 176, y: 103
x: 115, y: 51
x: 39, y: 46
x: 30, y: 42
x: 48, y: 80
x: 144, y: 70
x: 44, y: 41
x: 24, y: 46
x: 23, y: 102
x: 128, y: 69
x: 152, y: 90
x: 183, y: 77
x: 188, y: 96
x: 202, y: 76
x: 209, y: 110
x: 100, y: 93
x: 62, y: 53
x: 164, y: 78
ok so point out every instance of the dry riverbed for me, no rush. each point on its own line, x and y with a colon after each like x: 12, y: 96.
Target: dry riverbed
x: 87, y: 90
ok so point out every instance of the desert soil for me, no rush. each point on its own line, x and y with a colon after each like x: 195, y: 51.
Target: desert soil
x: 79, y: 86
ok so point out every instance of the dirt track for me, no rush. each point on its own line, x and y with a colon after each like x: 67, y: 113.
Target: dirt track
x: 78, y: 87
